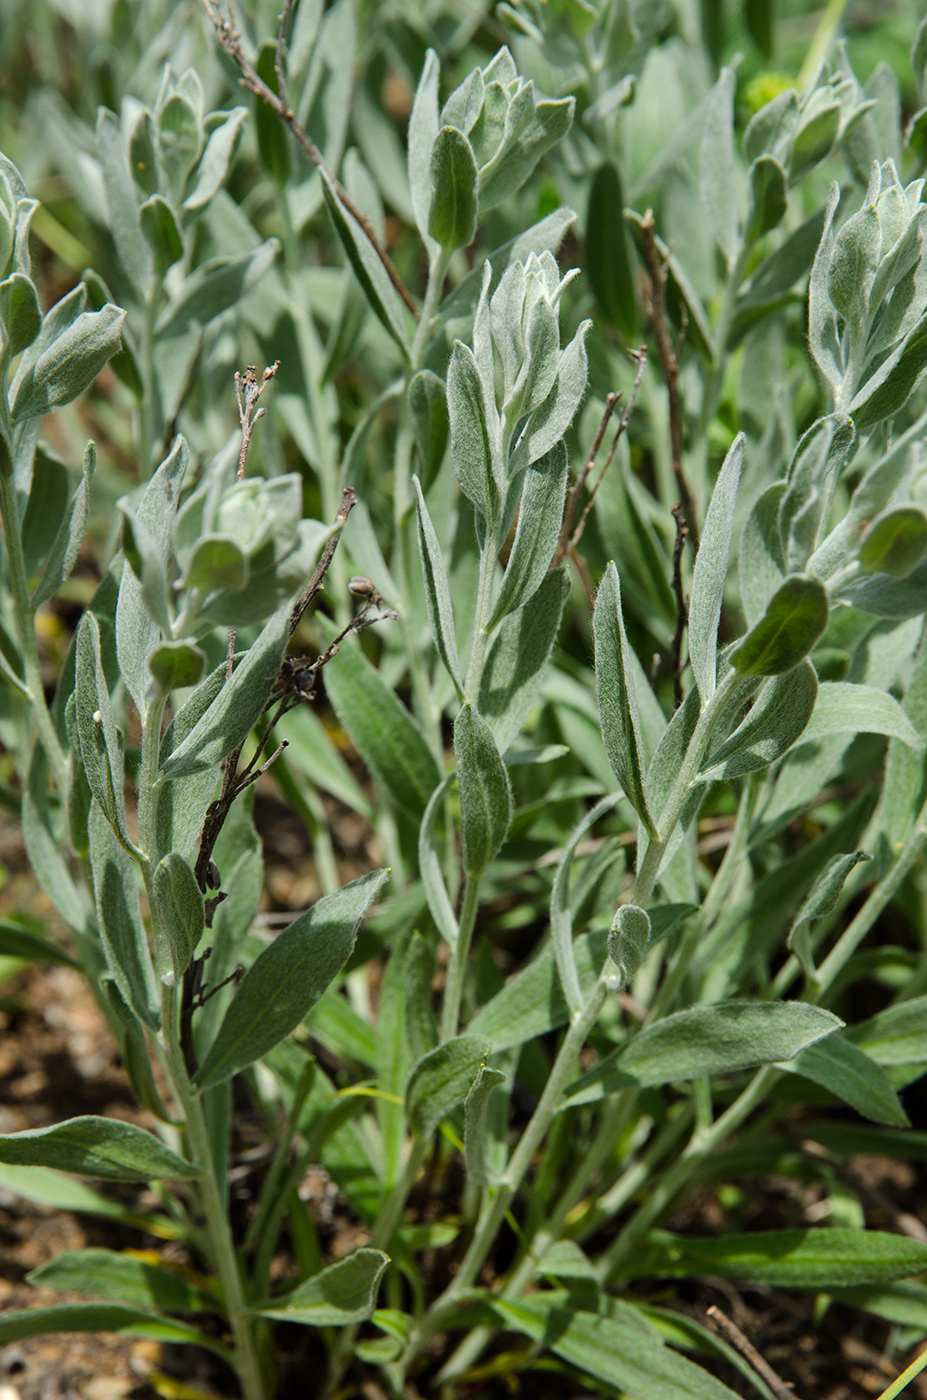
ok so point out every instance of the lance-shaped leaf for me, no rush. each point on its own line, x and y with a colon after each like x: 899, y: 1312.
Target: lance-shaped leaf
x: 439, y: 904
x: 423, y: 128
x: 790, y: 627
x: 70, y: 536
x: 793, y: 1258
x: 847, y: 1072
x: 237, y: 706
x: 287, y: 979
x: 70, y: 364
x: 442, y: 1079
x: 716, y: 1038
x: 473, y: 433
x: 101, y: 751
x: 779, y: 715
x: 561, y: 913
x: 717, y: 166
x: 710, y: 573
x: 119, y: 920
x: 216, y: 158
x: 343, y: 1294
x: 768, y: 197
x: 844, y: 708
x: 387, y: 736
x: 895, y: 543
x: 896, y: 1036
x: 608, y: 260
x: 103, y: 1317
x: 437, y: 589
x: 485, y: 791
x: 370, y: 272
x: 539, y: 515
x: 105, y: 1148
x: 144, y: 558
x: 19, y: 312
x: 617, y: 700
x: 17, y: 941
x: 518, y: 658
x: 427, y: 397
x: 475, y: 1110
x: 105, y: 1273
x: 822, y: 899
x: 453, y: 177
x: 180, y: 914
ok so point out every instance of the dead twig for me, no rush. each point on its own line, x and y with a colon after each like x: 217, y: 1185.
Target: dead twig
x: 748, y: 1351
x: 230, y: 40
x: 682, y: 611
x: 314, y: 586
x: 669, y: 361
x: 247, y: 393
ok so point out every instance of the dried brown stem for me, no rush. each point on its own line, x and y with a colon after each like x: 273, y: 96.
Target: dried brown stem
x: 314, y: 586
x: 641, y: 357
x: 669, y: 361
x: 748, y: 1351
x: 247, y: 393
x: 611, y: 403
x: 230, y: 40
x: 682, y: 611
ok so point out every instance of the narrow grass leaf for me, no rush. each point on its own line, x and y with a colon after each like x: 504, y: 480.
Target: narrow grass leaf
x: 813, y: 1259
x: 103, y: 1317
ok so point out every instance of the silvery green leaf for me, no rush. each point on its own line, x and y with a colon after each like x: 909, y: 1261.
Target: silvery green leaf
x: 378, y: 289
x: 893, y: 383
x: 761, y: 561
x: 777, y: 274
x: 548, y: 423
x: 121, y: 202
x: 437, y: 590
x: 769, y: 130
x: 822, y: 319
x: 236, y: 708
x: 474, y: 430
x: 439, y: 903
x: 561, y: 913
x: 49, y: 489
x: 211, y: 289
x: 453, y: 176
x: 853, y: 266
x: 70, y: 364
x: 622, y: 1349
x: 485, y: 791
x: 442, y: 1079
x: 423, y: 128
x: 109, y: 1273
x: 19, y: 312
x: 896, y: 1036
x: 216, y: 158
x: 518, y: 657
x: 427, y: 398
x: 888, y: 597
x: 105, y: 1148
x: 710, y: 1039
x: 44, y: 847
x: 608, y: 255
x: 288, y: 978
x: 544, y: 236
x: 144, y: 558
x: 387, y: 736
x: 101, y: 750
x: 717, y: 166
x: 802, y: 1258
x: 769, y: 197
x: 536, y: 363
x: 66, y: 547
x: 143, y: 157
x: 779, y: 716
x: 844, y: 708
x: 120, y: 921
x: 822, y: 900
x: 105, y: 1317
x: 137, y: 633
x: 629, y: 939
x: 537, y: 532
x: 847, y: 1072
x: 895, y: 542
x: 162, y: 232
x: 795, y: 618
x: 176, y: 666
x: 420, y: 967
x: 340, y: 1295
x: 812, y: 478
x: 476, y: 1107
x: 181, y: 806
x: 216, y: 561
x: 710, y: 573
x: 179, y: 905
x: 521, y: 149
x: 616, y: 696
x: 465, y: 104
x: 179, y: 137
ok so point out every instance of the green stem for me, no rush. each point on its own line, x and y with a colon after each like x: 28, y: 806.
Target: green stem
x: 460, y: 952
x: 824, y: 36
x: 148, y: 772
x: 25, y: 627
x: 217, y: 1224
x: 483, y: 605
x: 514, y: 1173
